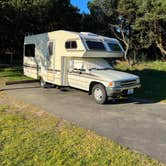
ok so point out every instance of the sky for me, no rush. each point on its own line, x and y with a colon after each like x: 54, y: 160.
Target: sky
x: 81, y: 4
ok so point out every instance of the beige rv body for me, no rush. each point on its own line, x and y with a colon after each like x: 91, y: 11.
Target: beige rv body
x: 54, y: 69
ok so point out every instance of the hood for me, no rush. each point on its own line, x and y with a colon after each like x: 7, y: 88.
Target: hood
x: 113, y: 75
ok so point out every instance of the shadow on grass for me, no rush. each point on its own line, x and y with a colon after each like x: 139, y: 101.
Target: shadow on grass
x: 153, y: 85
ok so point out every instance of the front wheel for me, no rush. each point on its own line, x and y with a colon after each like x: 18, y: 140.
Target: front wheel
x: 99, y: 94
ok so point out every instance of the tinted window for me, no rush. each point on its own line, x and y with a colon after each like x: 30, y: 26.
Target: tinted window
x: 50, y: 48
x: 114, y: 47
x: 94, y: 45
x: 67, y: 45
x: 30, y: 50
x: 71, y: 45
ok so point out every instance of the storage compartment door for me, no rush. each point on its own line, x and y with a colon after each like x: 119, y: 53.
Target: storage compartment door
x: 64, y: 70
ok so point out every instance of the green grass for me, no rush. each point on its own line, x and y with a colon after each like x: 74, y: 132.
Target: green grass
x: 153, y: 79
x: 38, y: 139
x: 12, y: 74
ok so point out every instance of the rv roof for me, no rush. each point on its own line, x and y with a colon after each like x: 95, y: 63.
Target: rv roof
x: 81, y: 34
x: 95, y: 36
x: 89, y: 34
x: 108, y: 38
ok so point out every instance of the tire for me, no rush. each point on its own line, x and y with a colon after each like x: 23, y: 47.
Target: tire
x: 43, y: 84
x: 99, y: 94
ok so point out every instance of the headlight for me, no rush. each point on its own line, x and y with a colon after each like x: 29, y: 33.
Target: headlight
x: 138, y: 80
x: 114, y: 84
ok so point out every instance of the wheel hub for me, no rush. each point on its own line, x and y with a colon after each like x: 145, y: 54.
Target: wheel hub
x: 98, y: 94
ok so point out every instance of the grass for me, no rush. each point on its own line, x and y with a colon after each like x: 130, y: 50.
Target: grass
x: 29, y: 137
x: 12, y: 74
x: 153, y: 79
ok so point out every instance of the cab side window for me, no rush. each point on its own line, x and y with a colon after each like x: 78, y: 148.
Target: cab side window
x: 77, y: 66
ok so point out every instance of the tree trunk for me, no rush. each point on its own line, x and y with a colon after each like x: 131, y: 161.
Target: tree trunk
x: 126, y: 52
x: 135, y: 59
x: 162, y: 50
x: 126, y: 43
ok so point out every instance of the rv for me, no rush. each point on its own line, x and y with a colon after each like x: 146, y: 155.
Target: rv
x: 78, y: 60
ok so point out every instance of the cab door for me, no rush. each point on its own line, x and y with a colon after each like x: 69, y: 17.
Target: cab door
x: 77, y: 75
x: 51, y: 61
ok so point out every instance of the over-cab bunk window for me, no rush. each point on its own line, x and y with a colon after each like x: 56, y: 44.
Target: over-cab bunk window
x: 71, y: 45
x: 95, y: 45
x: 29, y: 50
x: 114, y: 47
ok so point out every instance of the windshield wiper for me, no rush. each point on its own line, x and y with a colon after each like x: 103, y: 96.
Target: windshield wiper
x: 93, y: 69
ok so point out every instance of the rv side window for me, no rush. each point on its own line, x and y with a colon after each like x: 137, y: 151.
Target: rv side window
x: 95, y: 45
x: 114, y: 47
x: 50, y: 48
x: 71, y: 45
x: 67, y: 45
x: 30, y: 50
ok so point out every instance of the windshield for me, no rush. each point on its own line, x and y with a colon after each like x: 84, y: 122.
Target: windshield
x: 95, y: 45
x: 114, y: 47
x: 98, y: 64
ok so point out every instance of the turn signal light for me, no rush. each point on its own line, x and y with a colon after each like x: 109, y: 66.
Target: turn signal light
x: 111, y: 84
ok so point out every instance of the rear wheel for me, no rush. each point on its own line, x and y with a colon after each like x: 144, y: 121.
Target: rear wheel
x: 43, y: 84
x: 99, y: 94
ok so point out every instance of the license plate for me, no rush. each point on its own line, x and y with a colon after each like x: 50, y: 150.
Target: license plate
x: 130, y: 91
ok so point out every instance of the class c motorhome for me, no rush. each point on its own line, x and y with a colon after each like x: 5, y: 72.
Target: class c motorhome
x: 78, y: 60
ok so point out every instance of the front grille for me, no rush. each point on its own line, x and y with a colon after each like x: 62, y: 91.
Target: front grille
x: 128, y: 83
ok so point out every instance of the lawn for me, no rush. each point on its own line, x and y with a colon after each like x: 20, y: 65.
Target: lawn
x: 153, y: 79
x: 12, y: 74
x: 31, y: 137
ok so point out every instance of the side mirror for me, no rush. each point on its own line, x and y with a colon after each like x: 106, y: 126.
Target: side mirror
x: 82, y: 70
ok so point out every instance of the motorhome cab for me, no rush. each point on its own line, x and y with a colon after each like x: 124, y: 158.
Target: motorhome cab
x: 78, y: 60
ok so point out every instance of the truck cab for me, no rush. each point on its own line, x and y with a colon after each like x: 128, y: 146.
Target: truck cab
x: 98, y: 77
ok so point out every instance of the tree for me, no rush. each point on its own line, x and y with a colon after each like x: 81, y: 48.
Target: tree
x: 137, y: 24
x: 152, y: 24
x: 17, y: 17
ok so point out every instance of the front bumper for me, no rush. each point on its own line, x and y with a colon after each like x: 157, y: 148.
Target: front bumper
x: 118, y: 91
